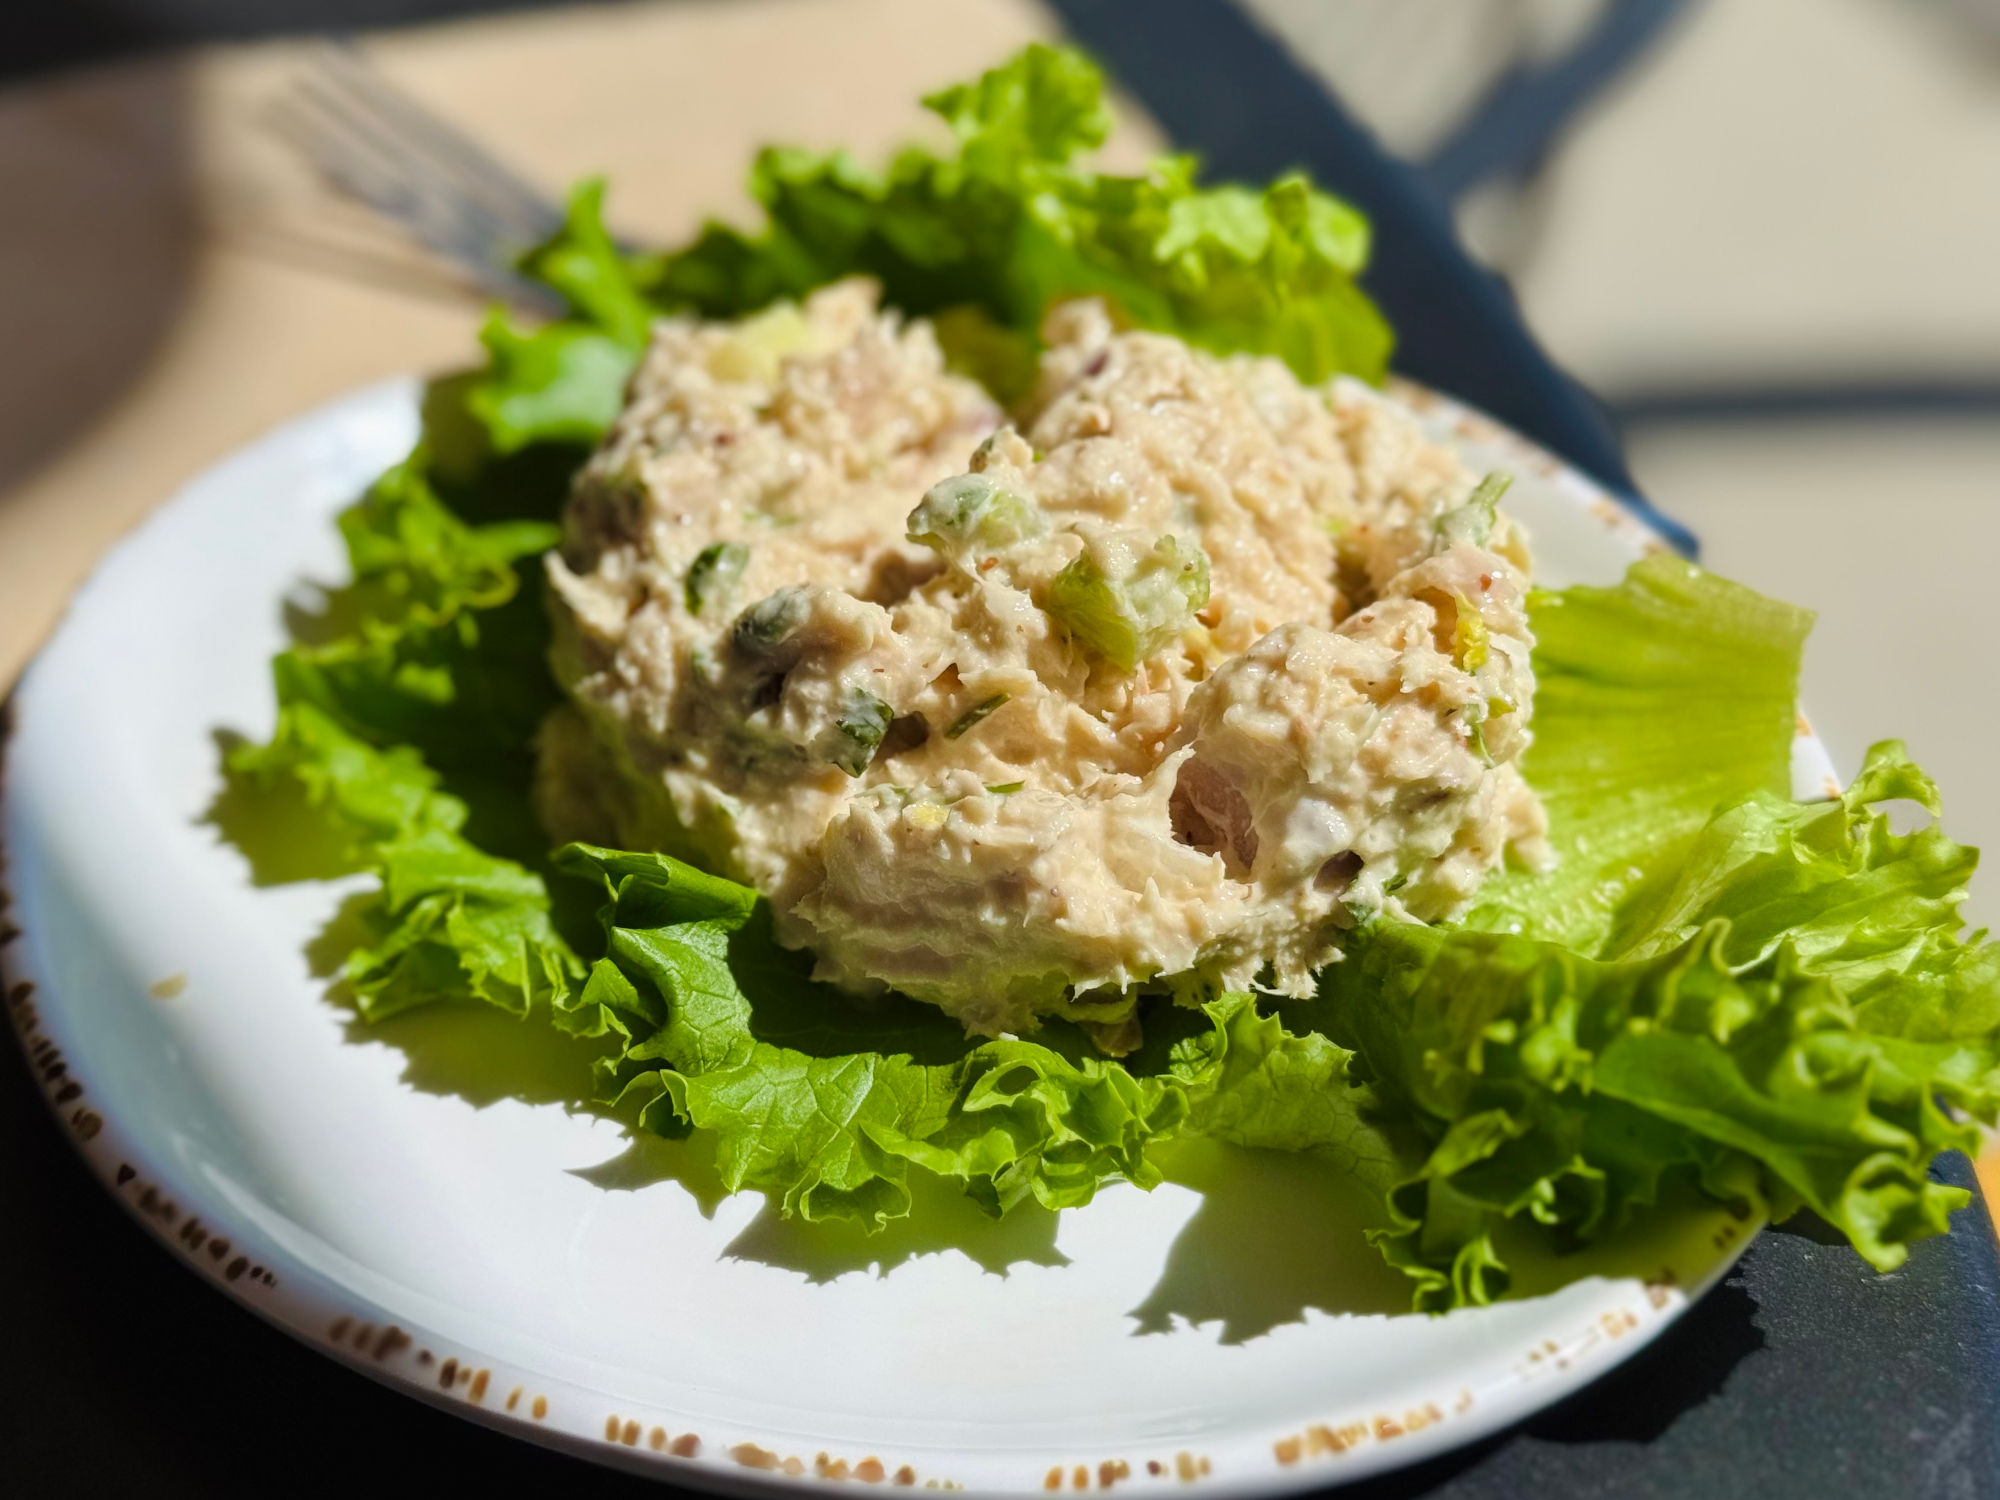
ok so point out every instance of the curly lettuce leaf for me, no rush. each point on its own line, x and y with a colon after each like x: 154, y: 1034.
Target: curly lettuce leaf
x: 1657, y: 701
x: 434, y: 644
x: 1565, y: 1089
x: 451, y: 921
x: 592, y: 274
x: 564, y: 381
x: 984, y: 236
x: 826, y: 1102
x: 1714, y: 981
x: 1874, y: 911
x: 1858, y: 900
x: 404, y: 723
x: 1782, y: 1022
x: 1269, y: 1088
x: 1009, y: 223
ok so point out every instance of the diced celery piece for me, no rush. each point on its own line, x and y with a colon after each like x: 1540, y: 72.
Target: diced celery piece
x: 1469, y: 650
x: 969, y: 512
x: 755, y: 348
x: 1474, y: 716
x: 713, y: 575
x: 1121, y: 604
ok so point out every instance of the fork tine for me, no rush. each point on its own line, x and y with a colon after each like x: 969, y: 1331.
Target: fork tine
x: 390, y: 154
x: 334, y: 116
x: 343, y: 67
x: 362, y: 162
x: 359, y: 161
x: 328, y: 117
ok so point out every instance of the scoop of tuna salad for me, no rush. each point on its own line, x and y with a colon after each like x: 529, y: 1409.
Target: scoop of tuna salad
x: 1159, y: 682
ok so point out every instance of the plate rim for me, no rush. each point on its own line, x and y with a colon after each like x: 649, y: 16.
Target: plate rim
x: 339, y: 1321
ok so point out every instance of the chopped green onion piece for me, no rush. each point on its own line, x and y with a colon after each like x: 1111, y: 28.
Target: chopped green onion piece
x: 713, y: 575
x: 1473, y: 716
x: 1475, y: 734
x: 974, y: 714
x: 1472, y: 522
x: 1004, y: 788
x: 770, y: 620
x: 858, y: 732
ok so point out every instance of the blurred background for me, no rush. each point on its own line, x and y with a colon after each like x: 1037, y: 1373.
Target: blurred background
x: 1764, y: 232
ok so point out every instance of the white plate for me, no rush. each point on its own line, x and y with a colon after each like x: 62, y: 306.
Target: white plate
x: 421, y: 1201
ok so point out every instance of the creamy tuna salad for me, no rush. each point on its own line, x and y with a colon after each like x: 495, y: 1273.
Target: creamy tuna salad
x: 1172, y: 674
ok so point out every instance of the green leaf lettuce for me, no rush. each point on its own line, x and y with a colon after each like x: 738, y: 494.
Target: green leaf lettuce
x: 985, y: 235
x: 825, y: 1102
x: 1771, y: 998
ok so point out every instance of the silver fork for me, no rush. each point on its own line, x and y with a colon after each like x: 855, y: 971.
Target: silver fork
x: 373, y: 142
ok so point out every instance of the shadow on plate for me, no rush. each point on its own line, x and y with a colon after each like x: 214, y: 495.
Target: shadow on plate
x: 941, y: 1218
x: 1276, y: 1235
x: 483, y: 1055
x: 278, y: 834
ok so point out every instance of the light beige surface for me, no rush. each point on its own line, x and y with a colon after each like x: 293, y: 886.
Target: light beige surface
x: 1411, y: 68
x: 1785, y: 187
